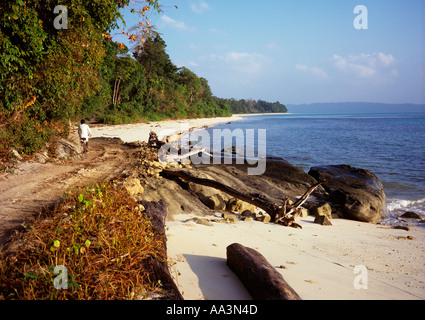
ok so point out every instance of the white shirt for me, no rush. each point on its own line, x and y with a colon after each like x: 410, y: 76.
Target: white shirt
x: 84, y: 131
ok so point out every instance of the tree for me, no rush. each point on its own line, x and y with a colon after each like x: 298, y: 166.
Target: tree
x: 192, y: 83
x: 252, y: 106
x: 129, y: 80
x: 47, y: 75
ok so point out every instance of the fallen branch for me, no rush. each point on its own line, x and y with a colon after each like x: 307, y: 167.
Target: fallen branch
x: 259, y: 277
x: 293, y: 211
x: 179, y: 157
x: 285, y: 214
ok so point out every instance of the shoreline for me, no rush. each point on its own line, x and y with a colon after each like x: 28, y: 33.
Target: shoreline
x: 140, y: 131
x: 317, y: 261
x: 262, y: 114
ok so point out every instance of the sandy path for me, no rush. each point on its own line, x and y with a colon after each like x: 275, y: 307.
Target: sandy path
x: 35, y: 185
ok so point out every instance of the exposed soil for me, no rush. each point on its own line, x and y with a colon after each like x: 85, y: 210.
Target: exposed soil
x: 33, y: 185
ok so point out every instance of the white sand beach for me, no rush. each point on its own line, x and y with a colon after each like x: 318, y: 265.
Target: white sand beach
x: 317, y: 261
x: 140, y: 131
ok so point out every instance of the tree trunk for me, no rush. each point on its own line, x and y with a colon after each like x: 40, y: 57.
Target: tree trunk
x: 117, y: 97
x: 158, y: 267
x: 259, y: 277
x: 113, y: 94
x: 285, y: 214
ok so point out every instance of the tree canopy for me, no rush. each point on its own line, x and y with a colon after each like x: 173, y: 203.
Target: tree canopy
x: 251, y: 106
x: 50, y: 76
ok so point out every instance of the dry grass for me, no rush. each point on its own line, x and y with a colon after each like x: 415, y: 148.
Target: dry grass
x: 102, y: 238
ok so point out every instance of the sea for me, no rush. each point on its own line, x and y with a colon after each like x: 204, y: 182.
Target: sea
x: 391, y: 145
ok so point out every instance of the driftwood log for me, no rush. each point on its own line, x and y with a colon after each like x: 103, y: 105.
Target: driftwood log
x: 158, y: 268
x: 259, y: 277
x: 285, y: 214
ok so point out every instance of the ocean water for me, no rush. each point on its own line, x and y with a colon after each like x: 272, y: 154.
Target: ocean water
x: 392, y: 146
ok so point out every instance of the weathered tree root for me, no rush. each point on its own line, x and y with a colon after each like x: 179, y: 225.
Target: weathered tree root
x: 284, y: 214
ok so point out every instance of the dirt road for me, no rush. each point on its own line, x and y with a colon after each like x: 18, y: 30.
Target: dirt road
x: 35, y: 185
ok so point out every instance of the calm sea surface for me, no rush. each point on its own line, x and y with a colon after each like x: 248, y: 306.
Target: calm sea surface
x: 392, y: 146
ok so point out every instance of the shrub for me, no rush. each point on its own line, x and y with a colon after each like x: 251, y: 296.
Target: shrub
x: 99, y: 235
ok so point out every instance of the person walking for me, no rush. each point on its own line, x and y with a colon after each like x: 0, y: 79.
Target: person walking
x: 84, y: 132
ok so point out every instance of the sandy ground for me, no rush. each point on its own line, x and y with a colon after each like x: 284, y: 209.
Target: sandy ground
x: 140, y: 131
x: 317, y: 261
x: 34, y: 185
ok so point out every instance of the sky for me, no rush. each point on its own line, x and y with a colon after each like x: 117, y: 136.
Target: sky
x: 301, y: 51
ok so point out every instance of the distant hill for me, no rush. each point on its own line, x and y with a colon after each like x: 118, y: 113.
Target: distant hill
x: 355, y: 107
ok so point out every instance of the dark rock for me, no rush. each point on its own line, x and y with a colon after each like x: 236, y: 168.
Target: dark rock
x: 265, y: 218
x: 304, y: 212
x: 214, y: 202
x: 178, y: 199
x: 402, y: 228
x: 406, y: 238
x: 356, y: 193
x: 248, y: 214
x: 323, y: 210
x: 236, y: 205
x: 231, y: 218
x: 412, y: 215
x: 280, y: 179
x: 323, y: 220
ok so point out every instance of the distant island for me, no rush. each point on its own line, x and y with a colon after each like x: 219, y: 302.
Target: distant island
x: 355, y: 107
x: 243, y: 106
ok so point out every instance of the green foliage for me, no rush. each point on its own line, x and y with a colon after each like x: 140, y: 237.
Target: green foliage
x: 151, y: 88
x: 252, y: 106
x: 99, y: 234
x: 46, y: 74
x: 49, y: 76
x: 155, y: 60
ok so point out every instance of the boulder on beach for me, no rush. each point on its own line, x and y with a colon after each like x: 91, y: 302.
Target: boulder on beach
x: 323, y: 220
x: 355, y: 193
x: 412, y: 215
x: 322, y: 210
x: 214, y: 202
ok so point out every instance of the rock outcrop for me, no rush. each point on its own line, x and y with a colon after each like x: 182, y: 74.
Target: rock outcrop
x: 349, y: 192
x: 354, y: 193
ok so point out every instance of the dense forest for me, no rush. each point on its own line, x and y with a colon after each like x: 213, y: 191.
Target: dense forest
x: 252, y: 106
x: 50, y: 76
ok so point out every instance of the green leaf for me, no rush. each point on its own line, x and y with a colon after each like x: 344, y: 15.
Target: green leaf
x: 81, y: 197
x: 56, y: 243
x: 31, y: 275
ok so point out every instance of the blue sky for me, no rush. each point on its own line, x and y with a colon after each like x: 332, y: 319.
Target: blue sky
x: 301, y: 51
